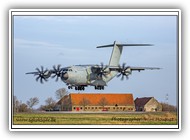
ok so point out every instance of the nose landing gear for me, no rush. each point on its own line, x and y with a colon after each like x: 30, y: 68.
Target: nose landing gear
x: 77, y: 87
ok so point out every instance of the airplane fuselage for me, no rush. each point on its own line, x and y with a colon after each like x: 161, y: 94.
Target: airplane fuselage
x: 83, y: 75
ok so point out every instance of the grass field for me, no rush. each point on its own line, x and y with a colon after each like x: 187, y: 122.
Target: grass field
x: 161, y: 118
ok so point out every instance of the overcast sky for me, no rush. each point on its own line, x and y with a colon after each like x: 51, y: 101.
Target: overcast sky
x: 72, y: 40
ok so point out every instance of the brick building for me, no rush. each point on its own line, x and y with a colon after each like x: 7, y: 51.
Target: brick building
x: 97, y: 102
x: 148, y: 104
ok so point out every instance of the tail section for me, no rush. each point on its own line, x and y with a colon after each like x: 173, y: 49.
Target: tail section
x: 114, y: 59
x: 117, y: 51
x: 116, y: 54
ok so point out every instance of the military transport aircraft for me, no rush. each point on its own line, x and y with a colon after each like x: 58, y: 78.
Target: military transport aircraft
x: 81, y: 76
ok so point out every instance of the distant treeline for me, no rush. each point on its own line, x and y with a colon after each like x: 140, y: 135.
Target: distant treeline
x: 168, y: 107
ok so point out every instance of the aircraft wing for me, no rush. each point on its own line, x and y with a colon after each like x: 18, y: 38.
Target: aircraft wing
x: 32, y: 73
x: 143, y: 68
x: 117, y: 68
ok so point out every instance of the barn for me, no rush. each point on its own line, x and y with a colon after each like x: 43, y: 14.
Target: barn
x: 147, y: 104
x: 97, y: 102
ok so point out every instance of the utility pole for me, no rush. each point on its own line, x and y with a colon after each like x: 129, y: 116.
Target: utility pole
x: 167, y: 104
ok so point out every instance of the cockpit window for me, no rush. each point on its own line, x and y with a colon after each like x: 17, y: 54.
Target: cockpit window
x: 65, y: 70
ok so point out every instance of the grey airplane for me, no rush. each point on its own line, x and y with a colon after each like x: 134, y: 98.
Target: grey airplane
x: 81, y: 76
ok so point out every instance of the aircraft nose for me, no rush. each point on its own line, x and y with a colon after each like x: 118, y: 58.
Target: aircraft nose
x: 65, y: 76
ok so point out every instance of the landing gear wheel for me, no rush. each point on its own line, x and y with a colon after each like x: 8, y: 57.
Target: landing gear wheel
x: 83, y: 88
x: 79, y: 88
x: 70, y: 87
x: 99, y: 87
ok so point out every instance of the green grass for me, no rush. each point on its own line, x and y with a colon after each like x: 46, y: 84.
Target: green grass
x: 161, y: 118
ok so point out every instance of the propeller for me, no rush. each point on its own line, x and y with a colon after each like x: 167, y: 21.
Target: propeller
x: 57, y: 72
x: 102, y: 70
x: 124, y: 71
x: 41, y: 74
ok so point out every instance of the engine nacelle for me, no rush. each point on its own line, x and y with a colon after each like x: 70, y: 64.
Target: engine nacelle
x: 128, y: 71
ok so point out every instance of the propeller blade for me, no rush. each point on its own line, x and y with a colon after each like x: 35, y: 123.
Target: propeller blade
x: 101, y: 71
x: 42, y: 68
x: 42, y: 74
x: 123, y: 70
x: 54, y: 76
x: 41, y: 81
x: 57, y: 72
x: 119, y: 75
x: 122, y: 77
x: 37, y: 78
x: 38, y: 70
x: 123, y: 66
x: 58, y: 67
x: 57, y: 79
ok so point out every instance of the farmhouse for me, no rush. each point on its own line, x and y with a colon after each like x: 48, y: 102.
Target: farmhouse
x: 147, y: 104
x: 97, y: 102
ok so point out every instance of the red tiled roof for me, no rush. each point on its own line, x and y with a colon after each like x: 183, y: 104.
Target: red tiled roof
x: 142, y: 101
x: 111, y: 99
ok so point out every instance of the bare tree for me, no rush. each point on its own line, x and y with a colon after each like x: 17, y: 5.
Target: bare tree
x: 16, y: 104
x: 60, y: 93
x: 32, y: 102
x: 50, y: 103
x: 103, y: 102
x: 84, y: 102
x: 23, y: 108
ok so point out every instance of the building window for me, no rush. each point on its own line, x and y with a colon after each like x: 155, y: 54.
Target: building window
x: 88, y: 107
x: 120, y: 107
x: 113, y: 107
x: 74, y: 108
x: 130, y: 108
x: 95, y: 107
x: 85, y: 107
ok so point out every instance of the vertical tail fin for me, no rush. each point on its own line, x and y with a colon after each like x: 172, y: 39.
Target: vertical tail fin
x: 116, y: 53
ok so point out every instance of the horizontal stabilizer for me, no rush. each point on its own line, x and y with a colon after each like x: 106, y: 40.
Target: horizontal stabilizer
x: 111, y: 45
x: 135, y: 44
x: 104, y: 46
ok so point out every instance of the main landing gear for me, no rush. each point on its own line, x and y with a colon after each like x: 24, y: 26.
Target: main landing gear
x: 83, y: 87
x: 99, y: 87
x: 79, y: 88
